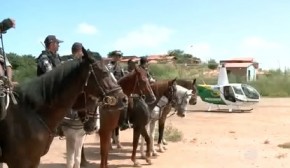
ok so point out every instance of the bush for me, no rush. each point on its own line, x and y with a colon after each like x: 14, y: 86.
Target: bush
x: 172, y: 134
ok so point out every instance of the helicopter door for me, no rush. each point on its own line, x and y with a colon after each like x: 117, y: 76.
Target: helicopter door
x: 229, y: 94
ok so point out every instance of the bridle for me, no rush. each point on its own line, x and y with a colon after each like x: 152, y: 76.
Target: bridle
x: 106, y: 99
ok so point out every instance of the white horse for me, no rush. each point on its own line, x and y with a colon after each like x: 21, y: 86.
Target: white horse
x: 183, y: 96
x: 74, y: 132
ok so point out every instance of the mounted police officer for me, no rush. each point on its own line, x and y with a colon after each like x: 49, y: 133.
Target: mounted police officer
x: 6, y: 68
x: 144, y: 65
x: 130, y: 66
x: 118, y: 72
x: 49, y: 58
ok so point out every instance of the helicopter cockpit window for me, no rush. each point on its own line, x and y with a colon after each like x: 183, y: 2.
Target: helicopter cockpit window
x: 238, y: 90
x: 250, y: 92
x: 229, y: 94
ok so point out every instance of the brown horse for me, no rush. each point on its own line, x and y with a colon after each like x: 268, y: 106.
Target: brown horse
x: 28, y: 129
x: 136, y: 83
x: 191, y: 85
x: 141, y: 114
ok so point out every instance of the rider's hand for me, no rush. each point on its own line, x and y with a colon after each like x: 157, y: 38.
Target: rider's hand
x: 13, y: 22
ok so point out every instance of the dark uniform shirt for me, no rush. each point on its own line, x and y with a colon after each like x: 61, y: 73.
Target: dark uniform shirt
x: 47, y: 61
x: 116, y: 69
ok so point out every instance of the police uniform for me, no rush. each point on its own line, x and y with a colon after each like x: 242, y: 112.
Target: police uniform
x: 116, y: 69
x: 47, y: 60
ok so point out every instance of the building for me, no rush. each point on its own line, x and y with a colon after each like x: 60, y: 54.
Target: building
x: 243, y: 67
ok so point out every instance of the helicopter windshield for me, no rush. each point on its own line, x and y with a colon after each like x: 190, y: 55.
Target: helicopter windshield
x: 238, y: 90
x: 250, y: 92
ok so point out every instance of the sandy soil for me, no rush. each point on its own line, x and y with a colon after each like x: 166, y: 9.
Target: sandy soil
x: 211, y: 140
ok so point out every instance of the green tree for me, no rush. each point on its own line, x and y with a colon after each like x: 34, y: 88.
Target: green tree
x: 212, y: 64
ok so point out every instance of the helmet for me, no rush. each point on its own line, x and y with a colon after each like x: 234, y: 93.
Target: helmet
x: 143, y: 60
x: 117, y: 53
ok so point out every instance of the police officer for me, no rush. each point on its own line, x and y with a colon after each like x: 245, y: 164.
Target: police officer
x: 114, y: 65
x: 130, y: 66
x: 115, y: 68
x: 49, y: 58
x: 5, y: 25
x: 144, y: 65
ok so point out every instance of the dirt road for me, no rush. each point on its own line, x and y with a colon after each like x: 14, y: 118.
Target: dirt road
x: 211, y: 140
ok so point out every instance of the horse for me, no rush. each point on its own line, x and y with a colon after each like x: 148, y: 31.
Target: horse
x: 190, y: 85
x: 136, y: 83
x: 140, y: 115
x: 28, y: 129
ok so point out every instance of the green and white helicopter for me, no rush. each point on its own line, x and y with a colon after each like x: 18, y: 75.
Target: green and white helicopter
x: 232, y: 95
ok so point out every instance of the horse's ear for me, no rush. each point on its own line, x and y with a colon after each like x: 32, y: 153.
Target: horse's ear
x: 194, y: 81
x: 172, y: 82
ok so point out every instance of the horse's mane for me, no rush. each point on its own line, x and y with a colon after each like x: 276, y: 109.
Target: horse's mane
x: 131, y: 75
x: 182, y: 90
x: 46, y: 88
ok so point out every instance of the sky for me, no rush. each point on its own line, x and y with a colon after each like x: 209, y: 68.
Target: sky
x: 208, y: 29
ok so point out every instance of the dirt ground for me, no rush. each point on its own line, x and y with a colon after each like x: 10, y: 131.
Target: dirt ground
x: 211, y: 140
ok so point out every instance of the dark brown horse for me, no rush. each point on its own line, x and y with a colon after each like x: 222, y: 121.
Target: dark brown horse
x: 28, y: 129
x: 136, y: 83
x: 141, y: 114
x: 191, y: 85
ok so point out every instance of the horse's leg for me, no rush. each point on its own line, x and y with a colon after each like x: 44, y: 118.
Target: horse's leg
x: 152, y: 134
x: 161, y: 125
x: 117, y: 140
x: 148, y: 145
x: 70, y: 146
x: 136, y: 136
x: 80, y: 137
x: 142, y: 143
x: 105, y: 138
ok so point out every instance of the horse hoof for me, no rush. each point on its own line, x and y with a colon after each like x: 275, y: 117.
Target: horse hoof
x: 154, y: 154
x: 165, y: 143
x: 164, y: 148
x: 161, y: 150
x: 149, y: 161
x: 137, y: 164
x: 119, y: 146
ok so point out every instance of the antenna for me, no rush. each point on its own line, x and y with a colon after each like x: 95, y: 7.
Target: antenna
x: 42, y: 44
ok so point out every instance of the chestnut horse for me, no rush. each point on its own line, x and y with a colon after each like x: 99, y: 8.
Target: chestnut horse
x: 135, y: 83
x: 28, y: 129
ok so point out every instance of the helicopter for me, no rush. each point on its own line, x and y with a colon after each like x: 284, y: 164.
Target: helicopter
x: 232, y: 95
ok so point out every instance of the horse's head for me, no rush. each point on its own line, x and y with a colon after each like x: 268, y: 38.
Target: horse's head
x: 193, y: 98
x: 170, y: 92
x: 138, y: 83
x: 101, y: 87
x: 183, y: 96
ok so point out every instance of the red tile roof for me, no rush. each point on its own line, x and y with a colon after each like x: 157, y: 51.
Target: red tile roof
x: 237, y: 65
